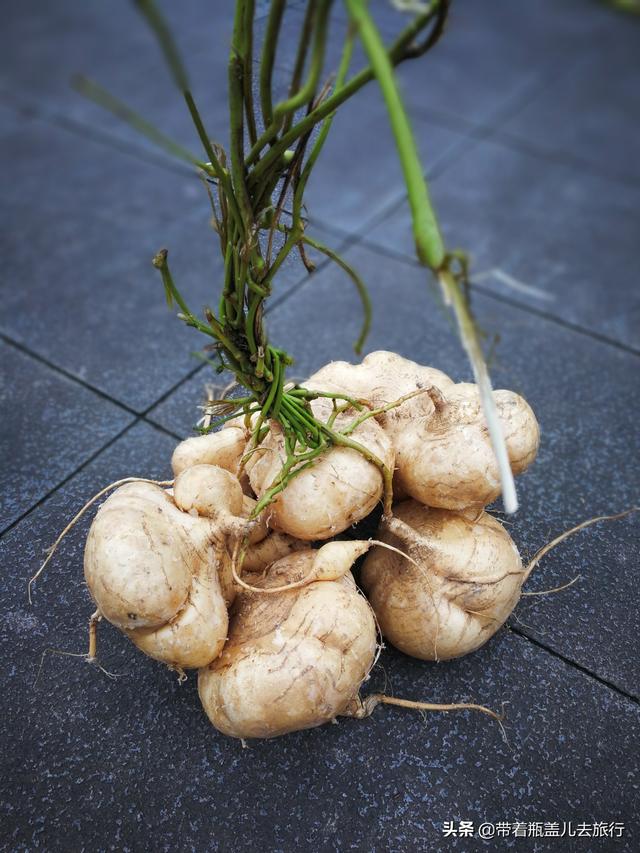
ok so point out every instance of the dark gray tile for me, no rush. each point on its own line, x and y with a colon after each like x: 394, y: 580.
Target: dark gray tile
x: 50, y: 426
x: 11, y: 119
x: 585, y: 394
x: 591, y: 116
x: 45, y: 44
x: 358, y: 174
x: 496, y: 54
x: 545, y: 234
x: 81, y: 223
x: 81, y: 751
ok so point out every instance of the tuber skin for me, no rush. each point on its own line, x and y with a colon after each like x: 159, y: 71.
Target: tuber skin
x: 294, y: 659
x: 223, y: 448
x: 273, y: 547
x: 443, y: 451
x: 340, y: 488
x: 158, y: 568
x: 381, y: 378
x: 448, y: 461
x: 461, y: 581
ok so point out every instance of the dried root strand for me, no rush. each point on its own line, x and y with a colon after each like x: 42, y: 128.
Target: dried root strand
x: 365, y: 707
x: 89, y: 657
x: 555, y: 589
x: 78, y: 516
x: 551, y: 545
x: 93, y: 636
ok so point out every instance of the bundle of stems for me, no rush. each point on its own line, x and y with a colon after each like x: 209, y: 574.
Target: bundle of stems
x: 256, y: 190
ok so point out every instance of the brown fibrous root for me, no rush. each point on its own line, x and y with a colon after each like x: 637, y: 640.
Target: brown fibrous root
x: 364, y: 707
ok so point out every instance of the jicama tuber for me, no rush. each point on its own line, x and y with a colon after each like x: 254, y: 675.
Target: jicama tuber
x: 294, y: 659
x: 223, y: 448
x: 336, y: 490
x: 443, y: 452
x: 456, y: 582
x: 158, y: 568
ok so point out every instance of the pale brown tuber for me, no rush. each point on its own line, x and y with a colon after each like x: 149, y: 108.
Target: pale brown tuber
x: 158, y: 567
x: 338, y: 489
x: 443, y: 452
x: 294, y: 659
x: 459, y: 581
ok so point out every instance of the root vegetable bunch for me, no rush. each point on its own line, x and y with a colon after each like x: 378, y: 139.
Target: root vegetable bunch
x: 233, y: 567
x: 222, y: 572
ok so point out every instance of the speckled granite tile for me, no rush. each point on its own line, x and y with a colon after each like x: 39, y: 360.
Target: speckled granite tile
x: 81, y: 223
x: 586, y: 396
x: 358, y: 175
x: 545, y: 234
x: 591, y: 116
x: 50, y: 426
x: 45, y: 44
x: 132, y: 763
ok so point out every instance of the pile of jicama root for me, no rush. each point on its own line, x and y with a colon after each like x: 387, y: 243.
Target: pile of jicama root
x: 267, y: 610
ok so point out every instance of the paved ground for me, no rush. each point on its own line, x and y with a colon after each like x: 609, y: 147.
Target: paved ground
x: 528, y: 118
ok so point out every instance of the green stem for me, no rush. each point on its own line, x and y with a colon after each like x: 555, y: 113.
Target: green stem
x: 397, y: 53
x: 363, y: 293
x: 236, y: 118
x: 429, y: 246
x: 247, y: 73
x: 268, y: 58
x: 306, y: 93
x: 301, y: 56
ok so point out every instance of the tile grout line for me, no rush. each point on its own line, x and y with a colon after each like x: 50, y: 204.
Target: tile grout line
x: 570, y: 161
x: 471, y: 134
x: 135, y: 422
x: 158, y: 426
x: 62, y: 371
x: 610, y: 685
x: 27, y: 108
x: 170, y: 391
x: 69, y: 477
x: 559, y: 321
x: 94, y: 389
